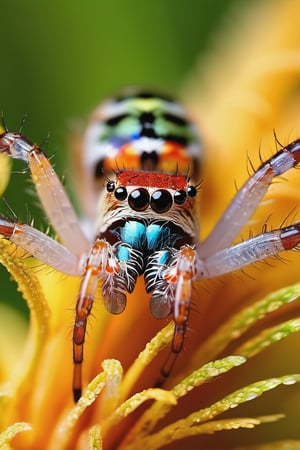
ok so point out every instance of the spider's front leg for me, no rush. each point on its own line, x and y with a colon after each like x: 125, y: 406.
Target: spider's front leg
x: 216, y: 256
x: 100, y: 262
x: 50, y: 190
x: 117, y: 266
x: 41, y: 246
x: 252, y: 250
x: 181, y: 274
x: 248, y: 198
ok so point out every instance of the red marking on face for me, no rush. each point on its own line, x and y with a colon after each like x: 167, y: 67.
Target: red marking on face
x: 151, y: 179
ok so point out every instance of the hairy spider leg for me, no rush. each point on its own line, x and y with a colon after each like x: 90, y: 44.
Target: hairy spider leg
x: 100, y: 262
x: 215, y: 257
x: 118, y: 267
x: 50, y: 190
x: 249, y: 251
x: 247, y: 199
x: 181, y: 274
x: 185, y: 272
x: 41, y: 246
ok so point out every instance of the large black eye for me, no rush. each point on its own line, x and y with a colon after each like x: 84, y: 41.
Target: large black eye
x: 192, y: 191
x: 161, y: 201
x: 180, y: 197
x: 121, y: 193
x: 138, y: 199
x: 110, y: 186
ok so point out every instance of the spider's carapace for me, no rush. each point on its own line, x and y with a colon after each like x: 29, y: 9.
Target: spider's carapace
x: 141, y: 162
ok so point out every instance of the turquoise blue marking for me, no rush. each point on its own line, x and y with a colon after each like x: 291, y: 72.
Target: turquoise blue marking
x: 142, y: 237
x: 133, y: 233
x: 155, y: 235
x: 163, y: 258
x: 123, y: 253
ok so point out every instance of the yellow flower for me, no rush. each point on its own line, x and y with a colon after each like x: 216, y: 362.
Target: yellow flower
x: 249, y: 87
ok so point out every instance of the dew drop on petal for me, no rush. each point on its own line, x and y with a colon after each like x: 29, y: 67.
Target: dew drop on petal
x: 289, y: 380
x: 251, y: 396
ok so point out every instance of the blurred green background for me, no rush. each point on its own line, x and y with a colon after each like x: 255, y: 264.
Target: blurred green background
x: 60, y: 58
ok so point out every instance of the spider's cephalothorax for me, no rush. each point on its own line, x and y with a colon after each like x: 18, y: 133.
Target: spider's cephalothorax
x: 138, y: 130
x: 144, y: 215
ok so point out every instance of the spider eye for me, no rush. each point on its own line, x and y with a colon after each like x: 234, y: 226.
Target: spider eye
x: 138, y: 199
x: 121, y: 193
x: 192, y: 191
x: 180, y: 197
x: 161, y: 201
x: 110, y: 186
